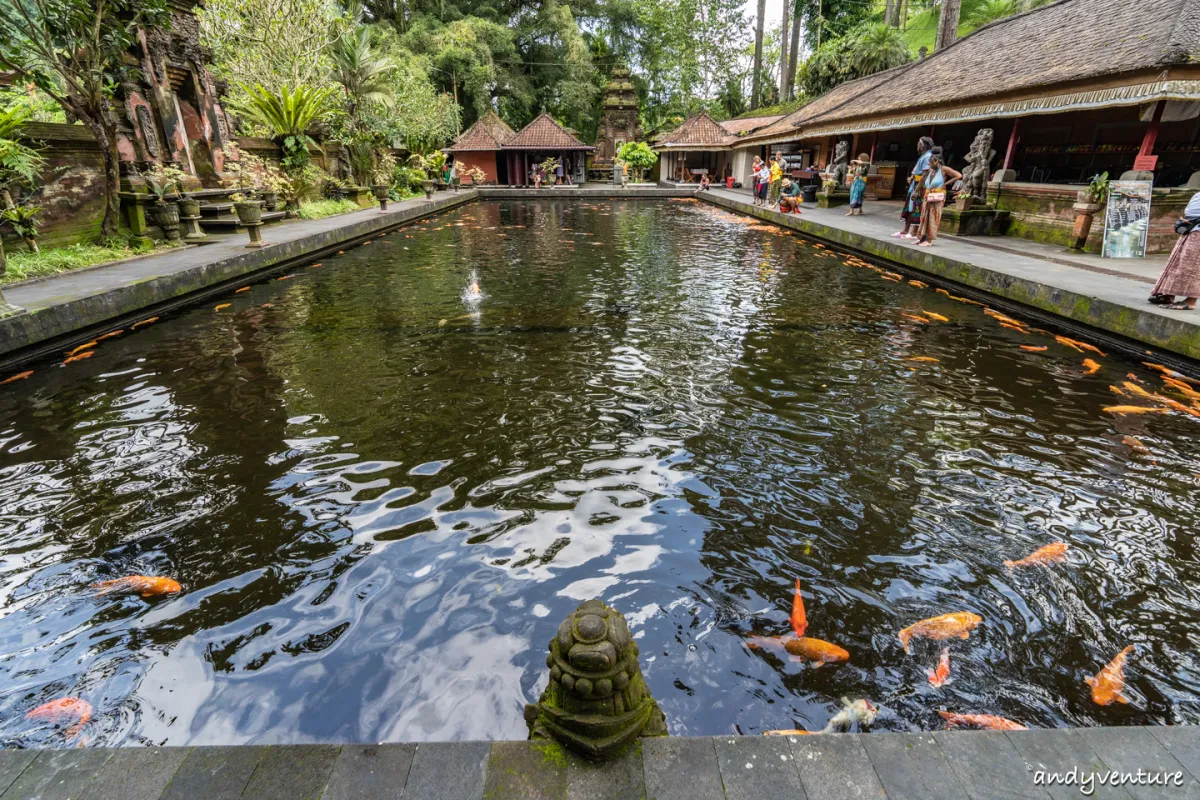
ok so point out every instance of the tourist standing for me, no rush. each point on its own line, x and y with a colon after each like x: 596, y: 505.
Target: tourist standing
x: 789, y: 199
x: 558, y: 173
x: 776, y: 178
x: 754, y: 168
x: 858, y: 188
x: 937, y: 177
x: 1181, y: 276
x: 912, y: 206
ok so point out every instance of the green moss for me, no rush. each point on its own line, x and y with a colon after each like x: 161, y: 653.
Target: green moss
x: 552, y: 754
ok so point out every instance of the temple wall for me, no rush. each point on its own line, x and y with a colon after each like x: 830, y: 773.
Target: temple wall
x: 1045, y: 213
x: 485, y: 161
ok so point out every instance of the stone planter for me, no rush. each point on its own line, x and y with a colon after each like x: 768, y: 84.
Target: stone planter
x: 270, y: 200
x: 833, y: 199
x: 963, y: 202
x: 380, y: 191
x: 428, y: 187
x: 189, y: 212
x: 249, y: 212
x: 166, y: 216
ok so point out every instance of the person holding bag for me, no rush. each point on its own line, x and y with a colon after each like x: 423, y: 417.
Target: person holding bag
x: 1181, y: 276
x: 937, y: 177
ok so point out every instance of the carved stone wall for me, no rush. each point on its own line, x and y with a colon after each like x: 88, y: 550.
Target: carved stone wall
x: 620, y: 122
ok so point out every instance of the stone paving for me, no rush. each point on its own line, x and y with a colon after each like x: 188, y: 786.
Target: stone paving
x: 980, y: 765
x: 1102, y: 293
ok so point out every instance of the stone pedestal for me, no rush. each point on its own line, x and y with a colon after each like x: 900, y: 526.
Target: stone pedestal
x: 974, y: 222
x: 135, y: 205
x: 1085, y: 213
x: 189, y: 212
x: 833, y: 199
x: 596, y: 703
x: 1004, y: 176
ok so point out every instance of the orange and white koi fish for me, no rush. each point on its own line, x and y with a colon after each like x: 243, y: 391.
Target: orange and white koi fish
x: 82, y: 347
x: 1092, y: 367
x: 1182, y: 388
x: 109, y: 335
x: 243, y: 289
x: 932, y: 315
x: 1042, y: 557
x: 939, y: 676
x: 798, y: 619
x: 149, y: 321
x: 20, y: 376
x: 1134, y: 378
x: 65, y: 708
x: 801, y: 649
x: 924, y: 359
x: 80, y: 357
x: 792, y: 732
x: 914, y: 318
x: 985, y: 721
x: 314, y: 266
x: 144, y: 585
x: 223, y: 305
x: 1136, y: 410
x: 1109, y: 684
x: 918, y: 284
x: 948, y: 626
x: 1034, y: 348
x: 861, y: 711
x: 1175, y: 404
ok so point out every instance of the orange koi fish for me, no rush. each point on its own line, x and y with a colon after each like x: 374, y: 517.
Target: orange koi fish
x: 1136, y: 410
x: 948, y: 626
x: 83, y: 347
x: 939, y: 676
x: 243, y: 289
x: 80, y: 357
x: 942, y: 291
x: 1134, y: 378
x: 65, y: 708
x: 1016, y: 328
x: 792, y: 732
x: 1071, y: 343
x: 1133, y: 388
x: 985, y: 721
x: 150, y: 321
x: 938, y: 317
x: 223, y: 305
x: 1002, y: 318
x: 799, y: 619
x: 894, y: 275
x: 918, y: 284
x: 284, y: 278
x: 366, y: 243
x: 314, y: 266
x: 1175, y: 404
x: 966, y: 300
x: 1042, y: 557
x: 1109, y: 684
x: 914, y: 318
x: 109, y: 335
x: 1182, y: 388
x: 1117, y: 390
x: 924, y: 359
x: 890, y: 278
x: 268, y: 305
x: 20, y: 376
x: 1135, y: 444
x: 1032, y: 348
x: 1092, y: 367
x: 139, y: 584
x: 343, y: 252
x: 801, y: 649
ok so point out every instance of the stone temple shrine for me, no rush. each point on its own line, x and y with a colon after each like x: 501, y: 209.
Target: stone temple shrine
x: 620, y: 123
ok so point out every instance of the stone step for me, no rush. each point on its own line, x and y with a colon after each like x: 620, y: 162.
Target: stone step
x: 229, y: 222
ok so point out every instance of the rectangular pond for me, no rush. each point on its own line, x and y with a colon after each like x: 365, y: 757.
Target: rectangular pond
x: 382, y: 491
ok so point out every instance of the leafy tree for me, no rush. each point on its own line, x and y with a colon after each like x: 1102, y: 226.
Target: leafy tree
x: 638, y: 156
x: 363, y: 74
x: 289, y: 115
x: 20, y: 164
x: 879, y: 46
x: 864, y: 51
x: 990, y: 11
x: 73, y: 50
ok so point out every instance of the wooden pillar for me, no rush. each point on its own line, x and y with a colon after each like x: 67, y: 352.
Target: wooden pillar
x: 874, y: 144
x: 1151, y: 136
x: 1013, y: 138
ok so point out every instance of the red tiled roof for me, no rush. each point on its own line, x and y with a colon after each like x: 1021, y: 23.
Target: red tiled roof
x: 544, y: 134
x: 697, y: 131
x: 488, y: 133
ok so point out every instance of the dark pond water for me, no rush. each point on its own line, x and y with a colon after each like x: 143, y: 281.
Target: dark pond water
x: 381, y: 500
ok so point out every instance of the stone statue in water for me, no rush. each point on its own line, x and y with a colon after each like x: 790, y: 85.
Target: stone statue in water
x: 979, y: 164
x: 596, y: 703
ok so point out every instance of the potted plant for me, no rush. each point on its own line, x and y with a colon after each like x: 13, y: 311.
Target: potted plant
x: 166, y: 182
x: 477, y: 175
x: 457, y: 173
x: 381, y: 176
x: 249, y: 210
x: 430, y: 166
x: 297, y: 185
x: 23, y: 221
x: 1088, y: 202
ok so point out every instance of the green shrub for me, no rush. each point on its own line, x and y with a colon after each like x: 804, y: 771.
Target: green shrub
x: 318, y: 209
x: 23, y: 265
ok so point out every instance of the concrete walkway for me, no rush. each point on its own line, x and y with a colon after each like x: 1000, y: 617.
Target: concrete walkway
x: 980, y: 765
x: 1105, y: 294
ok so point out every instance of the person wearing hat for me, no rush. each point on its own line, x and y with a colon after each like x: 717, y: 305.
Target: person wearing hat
x: 858, y: 188
x: 789, y: 200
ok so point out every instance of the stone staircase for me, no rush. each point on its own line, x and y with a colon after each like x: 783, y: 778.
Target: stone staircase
x: 217, y: 214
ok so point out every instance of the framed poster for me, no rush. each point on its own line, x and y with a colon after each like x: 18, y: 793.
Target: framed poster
x: 1127, y: 219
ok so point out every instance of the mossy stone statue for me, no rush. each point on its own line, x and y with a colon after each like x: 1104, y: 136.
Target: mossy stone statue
x: 597, y: 702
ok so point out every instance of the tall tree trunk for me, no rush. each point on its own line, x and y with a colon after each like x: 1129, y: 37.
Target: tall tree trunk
x: 107, y: 141
x: 783, y: 53
x: 793, y: 54
x: 756, y: 86
x: 889, y: 13
x: 947, y: 30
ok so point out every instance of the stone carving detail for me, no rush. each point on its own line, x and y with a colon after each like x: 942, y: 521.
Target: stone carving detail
x: 979, y: 164
x: 841, y: 163
x: 597, y: 702
x: 149, y: 135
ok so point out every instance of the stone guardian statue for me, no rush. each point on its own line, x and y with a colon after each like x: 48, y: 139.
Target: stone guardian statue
x: 979, y: 165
